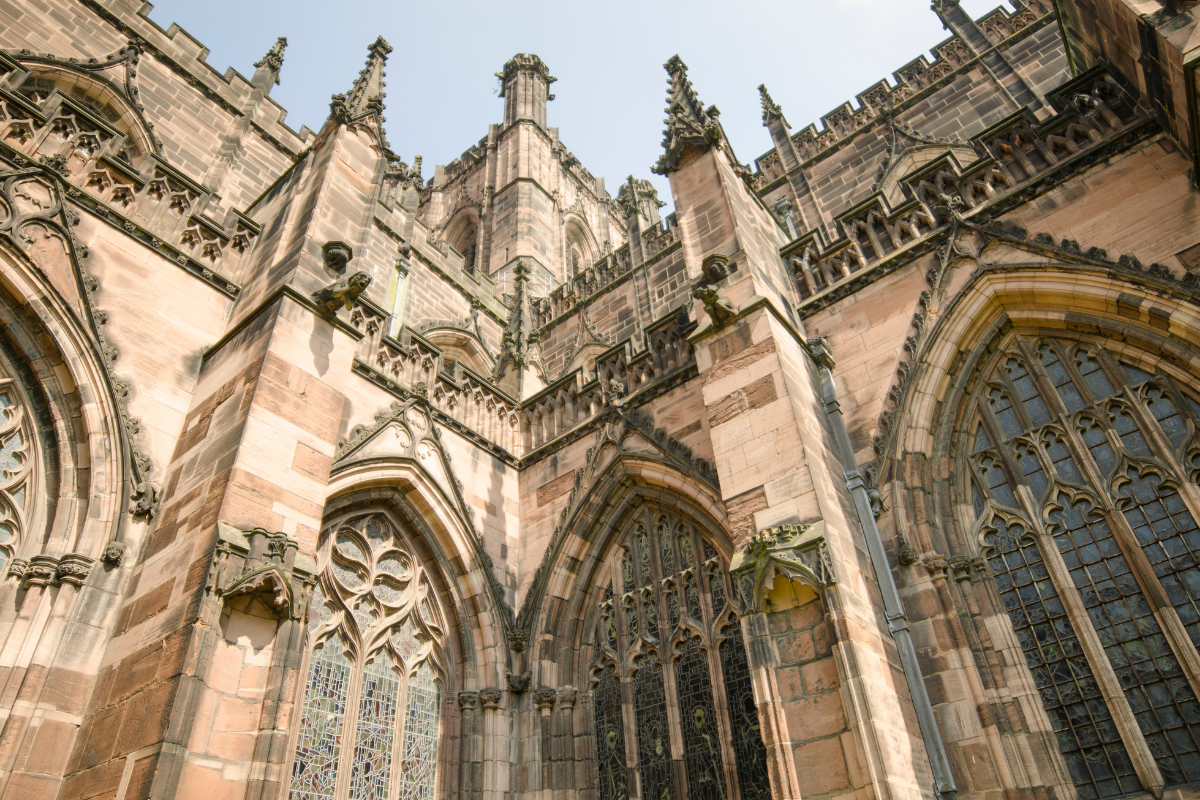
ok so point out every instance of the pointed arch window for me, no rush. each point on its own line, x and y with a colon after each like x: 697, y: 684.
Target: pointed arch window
x: 1084, y: 498
x: 370, y: 719
x: 685, y: 720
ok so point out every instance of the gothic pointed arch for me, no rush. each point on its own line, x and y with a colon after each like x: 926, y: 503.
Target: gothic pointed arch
x: 462, y: 232
x: 1069, y: 487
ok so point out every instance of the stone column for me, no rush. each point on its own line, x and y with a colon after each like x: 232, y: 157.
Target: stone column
x: 543, y: 701
x: 497, y: 744
x: 563, y: 747
x: 471, y: 781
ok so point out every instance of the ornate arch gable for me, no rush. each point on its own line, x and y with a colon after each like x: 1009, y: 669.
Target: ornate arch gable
x: 625, y: 467
x: 61, y: 324
x: 112, y: 79
x: 467, y: 635
x: 396, y: 451
x: 574, y: 218
x: 1030, y: 284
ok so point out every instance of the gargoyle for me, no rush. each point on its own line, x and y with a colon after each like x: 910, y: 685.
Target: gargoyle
x: 343, y: 292
x: 720, y: 309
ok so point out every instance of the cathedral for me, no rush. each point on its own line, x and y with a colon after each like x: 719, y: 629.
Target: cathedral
x: 872, y: 472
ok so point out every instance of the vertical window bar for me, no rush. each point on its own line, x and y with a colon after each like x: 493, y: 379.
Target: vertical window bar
x: 1087, y: 736
x: 1150, y: 675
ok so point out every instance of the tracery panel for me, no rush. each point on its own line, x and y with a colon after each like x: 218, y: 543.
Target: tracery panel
x: 665, y: 625
x: 375, y: 631
x: 1108, y: 526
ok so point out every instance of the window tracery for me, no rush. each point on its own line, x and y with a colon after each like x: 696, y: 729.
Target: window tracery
x: 666, y: 627
x: 370, y: 719
x: 17, y: 468
x: 1080, y: 491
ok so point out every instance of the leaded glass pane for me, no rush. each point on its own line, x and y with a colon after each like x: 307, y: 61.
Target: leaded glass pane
x: 644, y: 559
x: 1067, y: 391
x: 1093, y: 375
x: 748, y: 748
x: 422, y: 725
x: 1027, y: 392
x: 1032, y: 469
x: 651, y: 618
x: 1005, y: 415
x: 666, y: 551
x: 701, y: 737
x: 1164, y: 704
x: 1097, y: 444
x: 1168, y: 416
x: 997, y: 481
x: 631, y: 618
x: 716, y: 588
x: 1135, y: 374
x: 976, y: 500
x: 692, y: 595
x: 1167, y: 533
x: 314, y: 772
x: 373, y: 738
x: 653, y: 740
x: 377, y: 534
x: 982, y: 442
x: 626, y: 571
x: 610, y: 737
x: 1087, y: 736
x: 1127, y: 429
x: 404, y: 639
x: 685, y: 547
x: 1060, y: 456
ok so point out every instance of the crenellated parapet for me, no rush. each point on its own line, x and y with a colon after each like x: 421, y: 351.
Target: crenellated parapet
x: 999, y: 168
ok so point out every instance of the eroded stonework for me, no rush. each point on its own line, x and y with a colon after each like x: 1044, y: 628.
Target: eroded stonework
x: 871, y: 471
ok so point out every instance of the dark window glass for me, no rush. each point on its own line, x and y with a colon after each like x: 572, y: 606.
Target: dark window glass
x: 1093, y: 375
x: 1032, y: 469
x: 1027, y: 392
x: 997, y: 481
x: 1159, y: 694
x: 1127, y: 429
x: 1086, y: 734
x: 1005, y: 415
x: 653, y: 740
x: 610, y: 737
x: 1098, y: 446
x: 1060, y: 455
x: 701, y: 737
x: 982, y: 442
x: 1167, y: 533
x: 1061, y: 378
x: 1168, y: 416
x: 1135, y: 374
x: 748, y: 748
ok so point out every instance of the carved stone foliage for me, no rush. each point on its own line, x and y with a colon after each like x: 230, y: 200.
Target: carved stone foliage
x: 797, y: 552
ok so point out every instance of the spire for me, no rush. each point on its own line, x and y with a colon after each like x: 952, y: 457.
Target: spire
x: 771, y: 109
x: 519, y: 346
x: 267, y: 74
x: 366, y: 95
x: 688, y: 122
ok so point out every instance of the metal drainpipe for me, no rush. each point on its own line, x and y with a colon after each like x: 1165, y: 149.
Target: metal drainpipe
x: 892, y: 605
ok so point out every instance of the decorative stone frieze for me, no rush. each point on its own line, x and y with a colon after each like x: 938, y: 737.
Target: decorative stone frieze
x: 74, y: 569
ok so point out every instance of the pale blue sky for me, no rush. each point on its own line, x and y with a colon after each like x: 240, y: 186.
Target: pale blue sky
x: 611, y: 89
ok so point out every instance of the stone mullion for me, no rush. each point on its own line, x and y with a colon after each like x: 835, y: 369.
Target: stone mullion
x: 469, y: 767
x: 449, y: 757
x: 716, y: 673
x: 633, y: 777
x: 1143, y: 571
x: 397, y: 753
x: 1106, y: 677
x: 1114, y: 696
x: 763, y: 659
x: 674, y: 721
x: 495, y: 746
x: 543, y: 702
x: 563, y: 748
x: 350, y: 727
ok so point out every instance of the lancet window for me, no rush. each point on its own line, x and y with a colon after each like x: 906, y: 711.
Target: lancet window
x: 370, y: 718
x: 1083, y: 489
x: 667, y: 629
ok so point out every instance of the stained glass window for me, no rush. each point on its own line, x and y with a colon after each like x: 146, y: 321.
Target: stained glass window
x: 690, y: 679
x: 1137, y: 427
x: 314, y: 772
x: 374, y: 717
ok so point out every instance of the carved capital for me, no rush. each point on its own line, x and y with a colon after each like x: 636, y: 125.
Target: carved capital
x: 468, y: 701
x: 566, y: 699
x: 490, y: 698
x: 41, y: 571
x: 797, y: 552
x: 18, y: 568
x: 961, y: 568
x: 543, y: 699
x: 936, y: 567
x: 74, y: 569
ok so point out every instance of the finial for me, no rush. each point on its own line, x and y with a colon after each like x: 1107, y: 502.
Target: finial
x: 771, y: 109
x: 688, y: 122
x: 366, y: 95
x: 273, y: 60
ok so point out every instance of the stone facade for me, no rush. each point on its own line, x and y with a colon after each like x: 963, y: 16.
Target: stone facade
x: 872, y: 471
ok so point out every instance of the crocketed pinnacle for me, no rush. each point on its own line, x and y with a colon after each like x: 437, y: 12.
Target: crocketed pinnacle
x: 273, y: 60
x: 771, y: 109
x: 688, y: 122
x: 366, y: 95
